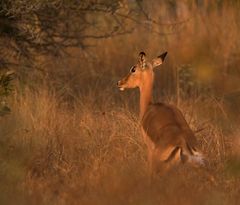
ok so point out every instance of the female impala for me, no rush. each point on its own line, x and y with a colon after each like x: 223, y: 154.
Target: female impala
x: 166, y: 133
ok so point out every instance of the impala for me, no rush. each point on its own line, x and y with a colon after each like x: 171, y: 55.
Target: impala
x: 166, y: 133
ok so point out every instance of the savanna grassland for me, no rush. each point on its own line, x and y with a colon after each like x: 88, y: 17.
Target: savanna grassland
x: 73, y: 138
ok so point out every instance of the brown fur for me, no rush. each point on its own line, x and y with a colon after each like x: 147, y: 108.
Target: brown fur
x: 166, y: 133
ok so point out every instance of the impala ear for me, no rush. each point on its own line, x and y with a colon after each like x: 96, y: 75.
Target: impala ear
x: 159, y: 60
x: 142, y: 59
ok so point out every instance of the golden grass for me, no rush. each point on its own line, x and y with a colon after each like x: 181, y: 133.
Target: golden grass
x: 94, y: 154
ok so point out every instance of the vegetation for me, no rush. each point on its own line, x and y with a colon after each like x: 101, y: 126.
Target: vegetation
x: 72, y: 138
x: 5, y: 90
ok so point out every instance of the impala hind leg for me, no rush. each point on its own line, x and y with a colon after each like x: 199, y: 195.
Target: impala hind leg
x: 150, y: 162
x: 161, y: 169
x: 164, y: 160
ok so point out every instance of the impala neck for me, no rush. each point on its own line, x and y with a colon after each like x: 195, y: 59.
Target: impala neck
x: 145, y: 95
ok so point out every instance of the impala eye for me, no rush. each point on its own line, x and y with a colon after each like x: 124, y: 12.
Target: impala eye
x: 133, y: 69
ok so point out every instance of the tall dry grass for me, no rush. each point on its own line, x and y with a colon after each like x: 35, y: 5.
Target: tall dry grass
x: 93, y: 153
x: 72, y: 138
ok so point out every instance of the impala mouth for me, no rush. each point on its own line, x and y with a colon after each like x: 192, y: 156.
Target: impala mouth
x: 120, y: 86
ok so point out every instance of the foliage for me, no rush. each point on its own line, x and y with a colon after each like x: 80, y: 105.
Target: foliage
x: 30, y: 28
x: 189, y: 85
x: 5, y: 90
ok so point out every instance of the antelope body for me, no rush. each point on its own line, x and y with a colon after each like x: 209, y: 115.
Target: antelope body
x: 166, y: 133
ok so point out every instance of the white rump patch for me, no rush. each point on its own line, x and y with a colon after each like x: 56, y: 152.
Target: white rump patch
x: 196, y: 158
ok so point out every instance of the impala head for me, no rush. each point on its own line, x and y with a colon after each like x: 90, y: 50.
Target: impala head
x: 141, y: 72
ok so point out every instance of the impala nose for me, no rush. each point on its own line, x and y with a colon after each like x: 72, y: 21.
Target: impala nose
x: 119, y: 85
